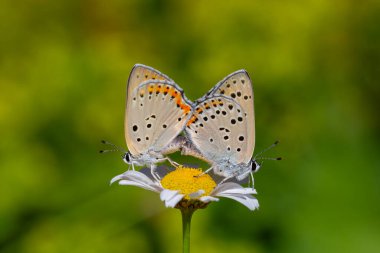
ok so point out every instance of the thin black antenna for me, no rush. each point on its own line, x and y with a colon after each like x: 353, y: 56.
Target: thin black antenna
x: 265, y: 150
x: 269, y: 158
x: 107, y: 150
x: 115, y: 148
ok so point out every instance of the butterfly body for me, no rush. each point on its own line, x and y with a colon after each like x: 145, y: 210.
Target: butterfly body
x: 156, y: 113
x: 221, y: 130
x: 148, y: 158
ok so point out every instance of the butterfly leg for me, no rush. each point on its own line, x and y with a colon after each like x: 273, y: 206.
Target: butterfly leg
x: 133, y: 166
x: 205, y: 172
x: 225, y: 179
x: 155, y: 175
x: 175, y: 164
x: 252, y: 181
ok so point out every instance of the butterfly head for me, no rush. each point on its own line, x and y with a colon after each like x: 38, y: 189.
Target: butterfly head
x: 127, y: 157
x: 255, y: 166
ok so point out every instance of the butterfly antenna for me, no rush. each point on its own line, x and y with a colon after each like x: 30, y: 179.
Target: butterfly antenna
x: 265, y: 150
x: 115, y: 147
x: 269, y: 158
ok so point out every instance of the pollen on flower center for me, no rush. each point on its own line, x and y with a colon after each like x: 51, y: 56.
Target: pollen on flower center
x: 187, y: 181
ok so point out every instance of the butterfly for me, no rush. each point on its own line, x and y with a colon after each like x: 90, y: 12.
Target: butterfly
x: 156, y: 113
x: 221, y: 129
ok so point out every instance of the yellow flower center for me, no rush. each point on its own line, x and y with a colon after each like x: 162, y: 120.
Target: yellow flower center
x: 187, y: 181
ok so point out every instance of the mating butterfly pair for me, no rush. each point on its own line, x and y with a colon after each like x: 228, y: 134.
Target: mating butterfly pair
x: 219, y: 127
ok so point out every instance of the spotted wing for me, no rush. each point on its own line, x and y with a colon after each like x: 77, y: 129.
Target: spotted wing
x: 157, y: 111
x: 141, y: 73
x: 218, y: 129
x: 238, y: 86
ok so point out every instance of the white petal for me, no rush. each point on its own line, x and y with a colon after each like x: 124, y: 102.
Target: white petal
x: 196, y: 194
x: 226, y: 186
x: 144, y: 186
x: 137, y: 179
x: 138, y: 176
x: 171, y: 198
x: 207, y: 199
x: 244, y: 191
x: 174, y: 201
x: 246, y: 200
x: 167, y: 194
x: 117, y: 178
x: 232, y: 188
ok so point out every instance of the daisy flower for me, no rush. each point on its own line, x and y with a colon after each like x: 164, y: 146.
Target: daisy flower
x: 188, y: 189
x: 184, y: 188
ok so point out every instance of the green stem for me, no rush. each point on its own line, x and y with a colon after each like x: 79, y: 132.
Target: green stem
x: 186, y: 220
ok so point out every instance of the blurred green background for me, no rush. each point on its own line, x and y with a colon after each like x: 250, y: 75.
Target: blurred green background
x: 63, y: 71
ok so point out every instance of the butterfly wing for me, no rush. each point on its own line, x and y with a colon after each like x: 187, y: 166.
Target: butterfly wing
x: 218, y: 129
x: 238, y: 86
x: 141, y: 73
x: 156, y: 113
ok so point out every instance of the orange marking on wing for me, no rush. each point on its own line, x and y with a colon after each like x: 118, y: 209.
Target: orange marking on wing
x: 199, y: 110
x: 155, y: 76
x: 158, y: 88
x: 172, y: 92
x: 192, y: 120
x: 178, y: 100
x: 214, y: 103
x: 185, y: 108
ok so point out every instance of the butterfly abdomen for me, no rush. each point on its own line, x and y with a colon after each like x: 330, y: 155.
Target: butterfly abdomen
x: 189, y: 149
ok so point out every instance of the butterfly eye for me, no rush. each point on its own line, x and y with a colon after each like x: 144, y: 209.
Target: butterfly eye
x: 254, y: 165
x: 127, y: 158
